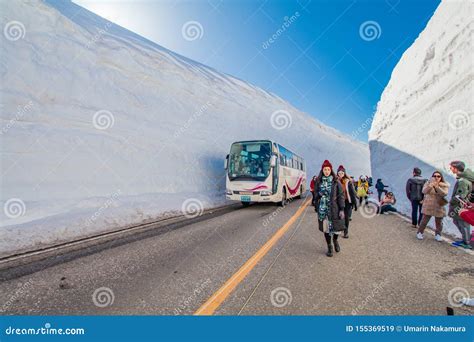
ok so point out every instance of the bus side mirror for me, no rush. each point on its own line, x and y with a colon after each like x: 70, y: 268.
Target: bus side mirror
x: 226, y: 162
x: 273, y: 161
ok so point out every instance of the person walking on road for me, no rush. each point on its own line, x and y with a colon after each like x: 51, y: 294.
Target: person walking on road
x: 350, y: 201
x: 329, y: 206
x: 311, y: 188
x: 414, y: 190
x: 380, y: 186
x: 461, y: 196
x: 434, y: 202
x: 363, y: 190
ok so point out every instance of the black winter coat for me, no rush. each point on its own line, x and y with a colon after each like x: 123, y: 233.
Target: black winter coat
x: 380, y: 186
x: 414, y: 188
x: 336, y: 204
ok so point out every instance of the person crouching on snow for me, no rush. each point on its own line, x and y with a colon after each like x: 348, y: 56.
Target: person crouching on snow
x: 350, y: 200
x: 387, y: 203
x: 329, y: 206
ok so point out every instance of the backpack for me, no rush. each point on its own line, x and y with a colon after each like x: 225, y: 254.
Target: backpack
x: 418, y: 191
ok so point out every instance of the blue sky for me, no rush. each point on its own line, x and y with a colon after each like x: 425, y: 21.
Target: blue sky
x: 322, y: 61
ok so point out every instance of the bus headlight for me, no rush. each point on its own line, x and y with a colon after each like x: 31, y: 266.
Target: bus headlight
x: 265, y: 193
x: 228, y: 192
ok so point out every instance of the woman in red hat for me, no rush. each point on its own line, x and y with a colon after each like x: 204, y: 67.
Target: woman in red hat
x: 350, y: 197
x: 329, y: 205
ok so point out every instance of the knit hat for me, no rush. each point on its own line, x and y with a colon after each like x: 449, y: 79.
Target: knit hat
x: 458, y: 165
x: 326, y: 163
x: 341, y: 168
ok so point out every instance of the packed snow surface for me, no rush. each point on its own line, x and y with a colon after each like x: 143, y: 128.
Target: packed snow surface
x: 424, y: 117
x: 102, y: 128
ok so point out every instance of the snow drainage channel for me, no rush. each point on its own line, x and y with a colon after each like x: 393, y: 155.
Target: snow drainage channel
x: 29, y: 262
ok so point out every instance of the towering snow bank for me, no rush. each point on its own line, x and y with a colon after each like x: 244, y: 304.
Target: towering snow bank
x: 424, y: 117
x: 102, y: 128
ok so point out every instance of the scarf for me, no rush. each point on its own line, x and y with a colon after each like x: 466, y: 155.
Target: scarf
x: 325, y: 190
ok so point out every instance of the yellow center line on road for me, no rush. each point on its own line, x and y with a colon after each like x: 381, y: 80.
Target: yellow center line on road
x: 213, y: 303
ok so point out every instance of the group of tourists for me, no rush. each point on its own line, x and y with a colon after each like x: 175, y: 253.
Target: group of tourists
x: 429, y: 199
x: 336, y: 195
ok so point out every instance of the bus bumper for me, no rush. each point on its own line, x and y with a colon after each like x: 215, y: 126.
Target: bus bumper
x: 252, y: 198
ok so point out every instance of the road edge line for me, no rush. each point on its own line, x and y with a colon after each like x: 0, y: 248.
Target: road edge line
x: 218, y: 297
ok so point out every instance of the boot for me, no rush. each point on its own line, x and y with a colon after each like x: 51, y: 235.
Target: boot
x: 337, y: 248
x: 329, y: 253
x: 346, y: 234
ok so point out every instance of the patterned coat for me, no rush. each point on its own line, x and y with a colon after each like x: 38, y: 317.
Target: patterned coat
x: 336, y: 203
x: 431, y: 201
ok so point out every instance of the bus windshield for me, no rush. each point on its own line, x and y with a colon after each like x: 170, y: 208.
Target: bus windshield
x: 250, y: 160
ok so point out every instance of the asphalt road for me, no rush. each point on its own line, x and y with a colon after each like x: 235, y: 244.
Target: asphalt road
x: 382, y: 269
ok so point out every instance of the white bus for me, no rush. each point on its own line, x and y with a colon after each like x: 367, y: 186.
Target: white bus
x: 263, y: 171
